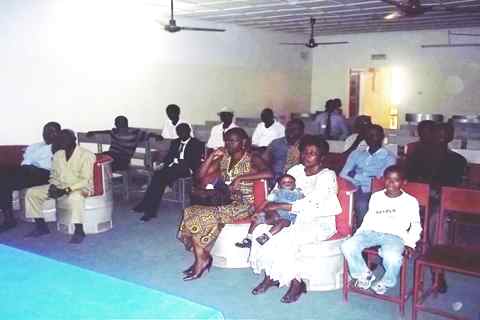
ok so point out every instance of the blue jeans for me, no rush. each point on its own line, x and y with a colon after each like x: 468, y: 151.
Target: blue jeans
x: 360, y: 205
x: 391, y: 251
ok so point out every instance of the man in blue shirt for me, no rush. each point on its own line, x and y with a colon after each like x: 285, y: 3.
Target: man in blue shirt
x: 34, y: 171
x: 364, y: 165
x: 283, y: 153
x: 331, y: 124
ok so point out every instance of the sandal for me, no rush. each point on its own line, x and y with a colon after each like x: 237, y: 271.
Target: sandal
x: 290, y: 298
x: 246, y: 243
x: 264, y: 286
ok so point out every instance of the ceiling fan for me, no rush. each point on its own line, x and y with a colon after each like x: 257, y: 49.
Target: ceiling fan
x: 312, y: 43
x: 413, y: 8
x: 172, y: 25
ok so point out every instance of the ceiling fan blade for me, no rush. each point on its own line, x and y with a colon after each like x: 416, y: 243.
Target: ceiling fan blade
x: 202, y: 29
x: 292, y: 43
x: 394, y: 15
x: 330, y: 43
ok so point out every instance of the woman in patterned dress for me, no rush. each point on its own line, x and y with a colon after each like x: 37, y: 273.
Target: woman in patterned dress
x: 238, y: 167
x: 279, y: 257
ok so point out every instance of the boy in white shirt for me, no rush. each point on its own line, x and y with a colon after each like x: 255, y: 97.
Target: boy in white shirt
x: 393, y: 223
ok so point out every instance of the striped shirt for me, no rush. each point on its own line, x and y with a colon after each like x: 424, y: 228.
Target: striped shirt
x: 124, y: 142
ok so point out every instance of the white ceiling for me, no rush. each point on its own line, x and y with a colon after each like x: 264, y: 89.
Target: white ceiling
x: 333, y: 16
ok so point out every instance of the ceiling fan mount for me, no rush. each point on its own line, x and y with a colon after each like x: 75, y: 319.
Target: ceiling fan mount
x: 172, y: 26
x: 414, y: 8
x: 311, y: 43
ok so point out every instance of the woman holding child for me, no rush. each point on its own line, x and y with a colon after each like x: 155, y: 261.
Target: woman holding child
x: 237, y: 167
x: 315, y: 221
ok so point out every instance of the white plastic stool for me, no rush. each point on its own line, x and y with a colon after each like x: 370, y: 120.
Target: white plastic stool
x: 97, y: 218
x: 225, y: 254
x: 49, y: 211
x: 321, y: 265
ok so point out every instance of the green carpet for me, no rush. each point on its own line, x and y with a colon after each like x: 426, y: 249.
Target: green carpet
x: 35, y: 287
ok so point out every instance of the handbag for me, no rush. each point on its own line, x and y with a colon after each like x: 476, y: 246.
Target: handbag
x: 220, y: 195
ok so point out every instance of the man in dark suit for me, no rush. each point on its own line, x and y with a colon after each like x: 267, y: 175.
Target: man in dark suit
x: 182, y: 160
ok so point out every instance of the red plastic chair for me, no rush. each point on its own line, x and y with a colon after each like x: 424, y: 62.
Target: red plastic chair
x: 421, y: 192
x: 447, y: 257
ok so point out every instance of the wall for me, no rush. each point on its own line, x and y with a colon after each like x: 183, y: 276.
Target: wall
x: 434, y: 80
x: 81, y: 62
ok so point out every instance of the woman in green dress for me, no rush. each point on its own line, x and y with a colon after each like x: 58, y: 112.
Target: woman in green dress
x: 238, y: 168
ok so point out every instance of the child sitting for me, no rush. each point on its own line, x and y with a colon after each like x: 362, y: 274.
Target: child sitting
x: 393, y: 223
x: 286, y: 193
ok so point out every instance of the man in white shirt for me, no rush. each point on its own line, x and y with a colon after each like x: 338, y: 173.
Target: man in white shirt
x: 267, y: 130
x: 393, y: 223
x: 169, y: 128
x: 34, y: 171
x: 216, y: 134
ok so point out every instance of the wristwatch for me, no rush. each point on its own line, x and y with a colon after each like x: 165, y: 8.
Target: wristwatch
x: 68, y: 190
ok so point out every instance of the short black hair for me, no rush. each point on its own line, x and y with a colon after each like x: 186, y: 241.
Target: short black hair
x: 183, y: 126
x: 121, y: 119
x: 239, y: 132
x: 395, y: 168
x: 53, y: 124
x: 173, y: 108
x: 426, y: 124
x: 317, y: 141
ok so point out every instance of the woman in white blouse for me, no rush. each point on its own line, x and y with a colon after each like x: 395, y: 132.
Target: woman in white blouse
x: 315, y: 222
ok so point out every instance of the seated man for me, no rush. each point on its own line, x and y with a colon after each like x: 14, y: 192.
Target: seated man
x: 331, y: 124
x: 216, y: 134
x: 392, y: 222
x: 364, y: 165
x: 434, y: 163
x: 71, y: 179
x: 173, y: 115
x: 267, y: 130
x: 283, y: 153
x: 357, y: 139
x: 182, y: 160
x: 426, y: 137
x: 34, y: 171
x: 124, y: 141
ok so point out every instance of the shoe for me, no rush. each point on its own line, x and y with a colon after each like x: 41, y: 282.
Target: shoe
x: 189, y: 270
x: 442, y: 284
x: 37, y: 232
x: 262, y: 239
x: 77, y: 238
x: 207, y: 267
x: 379, y: 288
x: 262, y: 287
x: 7, y: 225
x: 288, y: 298
x: 246, y: 243
x: 365, y: 280
x: 147, y: 217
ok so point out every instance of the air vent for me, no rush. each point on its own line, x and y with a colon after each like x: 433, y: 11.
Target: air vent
x: 381, y: 56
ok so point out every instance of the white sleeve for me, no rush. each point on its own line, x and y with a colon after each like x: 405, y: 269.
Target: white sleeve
x: 256, y: 136
x: 369, y: 221
x: 322, y: 201
x: 210, y: 142
x: 413, y: 235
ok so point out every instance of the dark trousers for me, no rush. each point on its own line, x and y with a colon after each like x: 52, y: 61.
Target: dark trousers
x: 360, y: 205
x: 160, y: 180
x: 18, y: 179
x: 118, y: 163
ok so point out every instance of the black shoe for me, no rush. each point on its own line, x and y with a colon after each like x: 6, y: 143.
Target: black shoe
x: 77, y: 238
x: 37, y: 232
x: 146, y: 217
x: 246, y: 243
x: 7, y: 225
x: 442, y: 284
x: 263, y: 238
